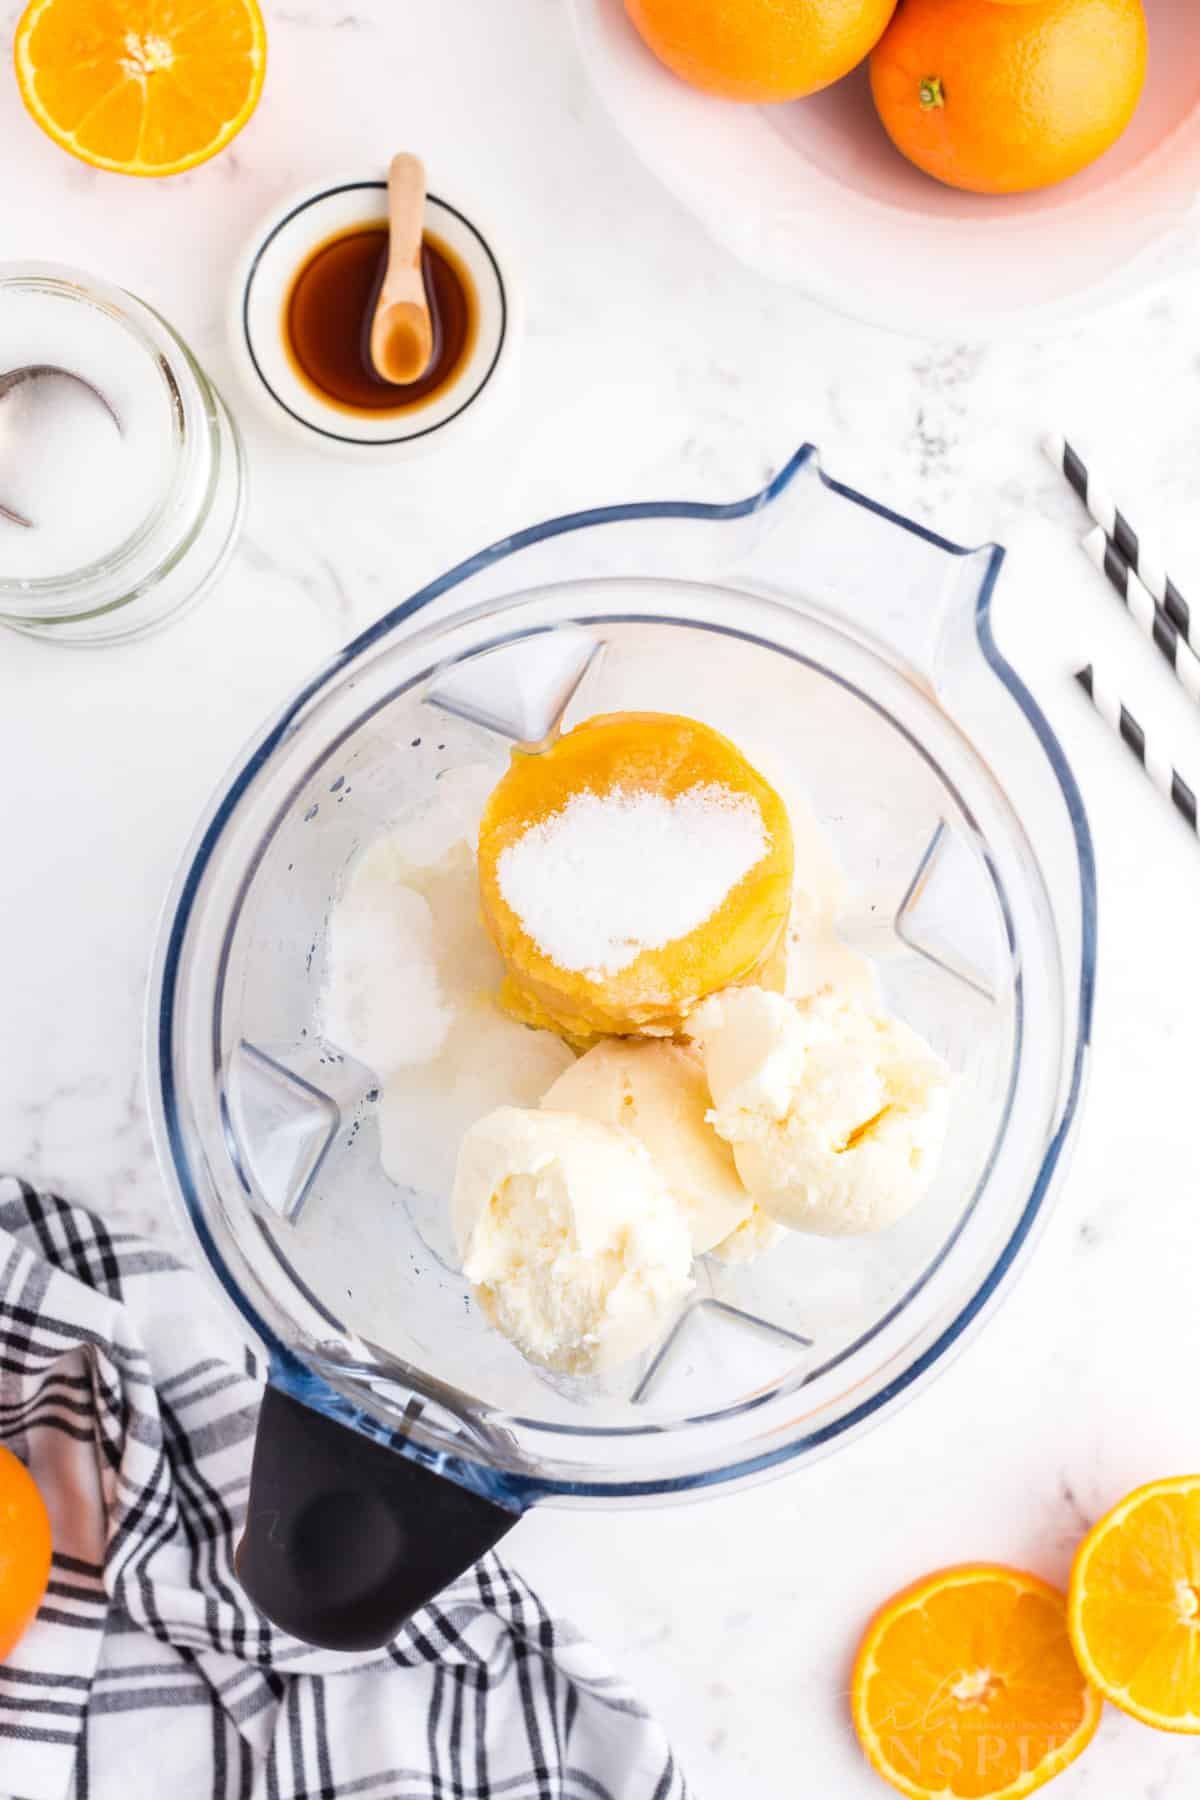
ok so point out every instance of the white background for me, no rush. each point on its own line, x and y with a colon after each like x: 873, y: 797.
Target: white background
x: 653, y: 368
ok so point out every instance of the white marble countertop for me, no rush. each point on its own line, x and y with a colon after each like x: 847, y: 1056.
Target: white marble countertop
x: 653, y: 367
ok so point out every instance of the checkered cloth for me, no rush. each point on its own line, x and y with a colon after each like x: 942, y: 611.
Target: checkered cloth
x: 148, y: 1673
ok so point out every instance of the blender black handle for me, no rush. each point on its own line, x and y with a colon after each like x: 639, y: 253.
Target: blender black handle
x: 345, y: 1539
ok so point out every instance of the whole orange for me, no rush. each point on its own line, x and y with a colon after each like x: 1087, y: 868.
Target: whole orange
x: 760, y: 50
x: 1002, y: 98
x: 24, y: 1550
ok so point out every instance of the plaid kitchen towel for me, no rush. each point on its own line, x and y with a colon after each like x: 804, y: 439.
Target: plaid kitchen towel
x: 148, y: 1674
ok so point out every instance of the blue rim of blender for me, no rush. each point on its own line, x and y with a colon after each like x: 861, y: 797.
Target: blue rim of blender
x: 340, y: 437
x: 518, y: 1491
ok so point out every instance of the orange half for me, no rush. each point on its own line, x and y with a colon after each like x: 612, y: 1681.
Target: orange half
x: 1134, y: 1604
x: 144, y: 87
x: 965, y: 1687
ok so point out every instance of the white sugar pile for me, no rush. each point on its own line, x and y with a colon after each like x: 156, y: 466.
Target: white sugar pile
x: 397, y: 967
x: 612, y: 875
x: 412, y: 979
x: 384, y: 1002
x: 82, y: 481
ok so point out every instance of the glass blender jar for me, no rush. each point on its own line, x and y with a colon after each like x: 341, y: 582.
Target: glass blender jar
x: 400, y: 1435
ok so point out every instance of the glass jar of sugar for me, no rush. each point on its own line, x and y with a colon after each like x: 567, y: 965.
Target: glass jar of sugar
x: 122, y: 482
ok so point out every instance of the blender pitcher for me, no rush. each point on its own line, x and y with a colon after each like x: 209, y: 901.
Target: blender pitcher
x: 400, y: 1435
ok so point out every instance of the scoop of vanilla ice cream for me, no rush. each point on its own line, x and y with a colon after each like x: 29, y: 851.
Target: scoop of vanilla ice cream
x: 836, y: 1113
x: 578, y: 1252
x: 656, y: 1093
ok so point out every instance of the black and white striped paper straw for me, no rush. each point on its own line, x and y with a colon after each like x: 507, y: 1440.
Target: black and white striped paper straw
x: 1165, y: 776
x: 1116, y: 526
x: 1145, y: 610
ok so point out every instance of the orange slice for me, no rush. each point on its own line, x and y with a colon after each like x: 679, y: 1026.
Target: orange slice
x: 1134, y: 1605
x: 965, y: 1687
x: 145, y: 87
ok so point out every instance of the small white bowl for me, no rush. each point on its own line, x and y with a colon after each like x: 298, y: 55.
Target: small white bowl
x: 278, y: 249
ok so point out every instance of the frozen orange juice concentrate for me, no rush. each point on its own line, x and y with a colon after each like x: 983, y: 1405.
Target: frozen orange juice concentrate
x: 629, y: 754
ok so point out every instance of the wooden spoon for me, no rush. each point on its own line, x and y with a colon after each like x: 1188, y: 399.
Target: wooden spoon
x: 401, y: 341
